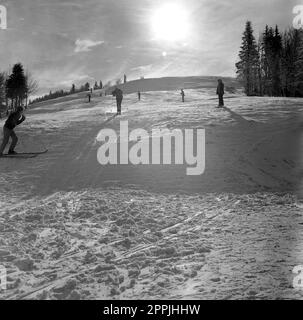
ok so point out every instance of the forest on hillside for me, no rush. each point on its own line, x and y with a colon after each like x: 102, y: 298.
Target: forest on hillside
x: 273, y: 64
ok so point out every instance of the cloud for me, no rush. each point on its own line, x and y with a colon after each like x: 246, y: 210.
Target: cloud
x: 143, y: 68
x: 86, y: 45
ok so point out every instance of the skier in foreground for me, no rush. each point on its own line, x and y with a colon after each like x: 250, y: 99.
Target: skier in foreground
x: 220, y: 93
x: 13, y: 120
x: 118, y: 93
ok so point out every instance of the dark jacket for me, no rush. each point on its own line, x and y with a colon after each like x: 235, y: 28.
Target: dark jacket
x: 118, y: 94
x: 13, y: 120
x: 220, y: 89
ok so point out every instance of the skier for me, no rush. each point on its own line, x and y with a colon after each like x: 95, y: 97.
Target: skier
x: 220, y: 93
x: 182, y: 94
x: 13, y: 120
x: 89, y: 97
x: 139, y: 95
x: 118, y: 93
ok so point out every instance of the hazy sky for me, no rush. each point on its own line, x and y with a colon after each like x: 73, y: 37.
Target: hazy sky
x: 66, y: 41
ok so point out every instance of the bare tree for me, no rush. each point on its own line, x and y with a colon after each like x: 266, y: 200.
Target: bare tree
x: 2, y: 88
x: 2, y: 91
x: 31, y: 86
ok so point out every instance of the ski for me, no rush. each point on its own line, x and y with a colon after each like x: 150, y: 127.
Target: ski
x: 24, y: 155
x: 32, y: 153
x: 19, y: 156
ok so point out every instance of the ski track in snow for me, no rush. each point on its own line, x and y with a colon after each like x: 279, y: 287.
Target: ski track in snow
x: 71, y: 229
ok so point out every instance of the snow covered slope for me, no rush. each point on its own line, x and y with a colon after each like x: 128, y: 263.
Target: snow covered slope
x: 71, y: 228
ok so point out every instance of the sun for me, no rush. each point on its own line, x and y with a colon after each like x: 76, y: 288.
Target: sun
x: 170, y: 23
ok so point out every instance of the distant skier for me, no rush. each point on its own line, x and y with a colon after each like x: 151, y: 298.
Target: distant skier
x: 89, y: 95
x: 183, y: 95
x: 139, y: 95
x: 12, y: 121
x: 118, y: 93
x: 220, y: 93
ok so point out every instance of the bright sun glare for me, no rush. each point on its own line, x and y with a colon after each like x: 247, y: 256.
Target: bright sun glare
x: 170, y: 23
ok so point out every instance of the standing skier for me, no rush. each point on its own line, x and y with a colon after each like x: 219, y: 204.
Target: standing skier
x: 220, y: 93
x: 118, y: 93
x: 13, y: 120
x: 139, y: 95
x: 182, y: 94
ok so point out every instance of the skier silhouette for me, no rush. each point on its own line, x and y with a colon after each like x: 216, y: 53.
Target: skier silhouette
x: 139, y: 95
x: 220, y: 93
x: 118, y: 93
x: 13, y: 120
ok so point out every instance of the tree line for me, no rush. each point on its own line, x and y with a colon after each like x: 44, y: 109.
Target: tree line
x: 273, y: 65
x: 15, y: 88
x: 62, y: 93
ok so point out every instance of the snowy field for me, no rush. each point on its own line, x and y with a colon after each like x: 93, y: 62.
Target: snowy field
x: 72, y: 229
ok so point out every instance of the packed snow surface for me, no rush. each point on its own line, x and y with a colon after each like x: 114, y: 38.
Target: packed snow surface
x: 73, y: 229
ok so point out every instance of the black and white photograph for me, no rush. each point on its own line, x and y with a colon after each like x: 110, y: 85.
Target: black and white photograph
x: 151, y: 150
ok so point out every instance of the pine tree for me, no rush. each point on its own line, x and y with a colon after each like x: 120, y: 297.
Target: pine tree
x: 16, y: 86
x: 299, y: 67
x: 290, y: 47
x: 272, y: 61
x: 265, y: 60
x: 260, y: 69
x: 101, y: 85
x: 276, y: 72
x: 269, y: 60
x: 248, y: 65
